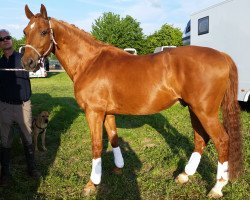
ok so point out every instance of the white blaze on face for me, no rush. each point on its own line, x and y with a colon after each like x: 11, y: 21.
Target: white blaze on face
x: 32, y: 25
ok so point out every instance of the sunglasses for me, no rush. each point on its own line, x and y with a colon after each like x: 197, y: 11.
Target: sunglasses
x: 5, y: 38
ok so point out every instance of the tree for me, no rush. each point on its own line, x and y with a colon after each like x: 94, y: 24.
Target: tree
x: 166, y: 36
x: 120, y: 32
x: 18, y: 43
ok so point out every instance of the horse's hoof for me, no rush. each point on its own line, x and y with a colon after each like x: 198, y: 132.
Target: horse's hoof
x: 89, y: 189
x: 117, y: 170
x: 215, y: 194
x: 181, y: 178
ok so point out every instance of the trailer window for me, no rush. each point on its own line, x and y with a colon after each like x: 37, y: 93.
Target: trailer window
x: 188, y: 27
x: 203, y: 25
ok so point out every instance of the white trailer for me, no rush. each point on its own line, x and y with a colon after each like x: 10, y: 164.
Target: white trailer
x: 225, y: 27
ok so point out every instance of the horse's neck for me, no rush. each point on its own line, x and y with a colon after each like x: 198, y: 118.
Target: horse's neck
x: 74, y: 47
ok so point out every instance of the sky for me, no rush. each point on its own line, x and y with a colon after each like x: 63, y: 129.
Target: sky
x: 151, y: 14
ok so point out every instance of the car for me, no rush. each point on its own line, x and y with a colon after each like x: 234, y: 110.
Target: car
x: 131, y: 51
x: 41, y: 73
x: 54, y: 64
x: 162, y: 48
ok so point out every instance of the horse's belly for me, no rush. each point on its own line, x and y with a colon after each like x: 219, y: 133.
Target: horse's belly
x: 142, y: 105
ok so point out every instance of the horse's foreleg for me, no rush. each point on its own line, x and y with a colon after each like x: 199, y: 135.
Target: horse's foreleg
x: 110, y: 126
x: 95, y: 121
x: 200, y: 139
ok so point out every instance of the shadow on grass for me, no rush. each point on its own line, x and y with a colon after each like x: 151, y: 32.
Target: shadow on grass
x: 245, y: 106
x: 119, y: 186
x: 65, y: 110
x: 175, y: 140
x: 124, y: 186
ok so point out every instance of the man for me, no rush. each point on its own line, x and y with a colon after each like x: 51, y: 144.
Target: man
x: 15, y: 106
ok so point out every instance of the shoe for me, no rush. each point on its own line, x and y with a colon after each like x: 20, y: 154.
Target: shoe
x: 30, y: 159
x: 5, y: 167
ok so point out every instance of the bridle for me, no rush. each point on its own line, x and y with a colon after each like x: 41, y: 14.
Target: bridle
x: 52, y: 42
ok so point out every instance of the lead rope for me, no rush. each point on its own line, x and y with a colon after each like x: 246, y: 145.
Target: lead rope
x: 6, y: 69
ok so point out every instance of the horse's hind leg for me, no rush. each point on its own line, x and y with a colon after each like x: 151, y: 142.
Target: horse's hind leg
x: 200, y: 138
x: 220, y: 138
x: 110, y: 126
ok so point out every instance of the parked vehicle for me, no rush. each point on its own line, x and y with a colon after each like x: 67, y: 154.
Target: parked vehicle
x: 131, y: 51
x: 162, y: 48
x: 186, y: 34
x: 54, y: 64
x: 41, y: 73
x: 224, y: 27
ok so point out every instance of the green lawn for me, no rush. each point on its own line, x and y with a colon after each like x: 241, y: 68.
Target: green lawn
x: 155, y: 150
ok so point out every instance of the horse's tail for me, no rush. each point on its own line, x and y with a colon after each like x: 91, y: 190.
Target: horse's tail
x: 231, y: 122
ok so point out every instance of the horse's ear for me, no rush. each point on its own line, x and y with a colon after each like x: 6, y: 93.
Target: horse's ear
x: 43, y: 12
x: 28, y: 13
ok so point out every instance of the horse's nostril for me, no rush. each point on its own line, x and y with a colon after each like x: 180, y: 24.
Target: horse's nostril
x: 30, y: 62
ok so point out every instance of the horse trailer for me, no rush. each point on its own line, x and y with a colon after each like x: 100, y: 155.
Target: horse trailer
x: 224, y: 27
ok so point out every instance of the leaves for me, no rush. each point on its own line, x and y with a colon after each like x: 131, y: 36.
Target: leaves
x: 126, y: 32
x: 166, y: 36
x: 120, y: 32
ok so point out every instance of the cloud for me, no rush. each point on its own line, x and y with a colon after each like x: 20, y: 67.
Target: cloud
x: 155, y: 3
x: 99, y: 4
x: 86, y: 24
x: 152, y: 14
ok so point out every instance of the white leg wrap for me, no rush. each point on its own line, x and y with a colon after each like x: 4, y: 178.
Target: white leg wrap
x: 119, y: 162
x: 217, y: 189
x: 222, y: 171
x: 96, y: 172
x: 193, y: 163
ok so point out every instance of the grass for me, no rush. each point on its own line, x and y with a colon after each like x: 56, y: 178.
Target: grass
x: 155, y: 149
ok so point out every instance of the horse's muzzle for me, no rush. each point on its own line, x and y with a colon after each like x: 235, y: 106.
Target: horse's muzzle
x: 30, y: 64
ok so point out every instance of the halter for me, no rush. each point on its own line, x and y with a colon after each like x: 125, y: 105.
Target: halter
x: 52, y: 42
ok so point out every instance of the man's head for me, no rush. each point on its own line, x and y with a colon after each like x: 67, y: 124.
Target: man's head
x: 5, y: 40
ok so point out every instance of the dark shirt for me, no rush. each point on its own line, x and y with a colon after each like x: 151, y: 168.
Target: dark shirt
x: 14, y: 85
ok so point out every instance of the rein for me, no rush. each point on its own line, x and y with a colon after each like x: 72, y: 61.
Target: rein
x: 52, y: 42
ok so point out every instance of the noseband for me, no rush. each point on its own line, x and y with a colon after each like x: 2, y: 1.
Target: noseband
x: 52, y: 42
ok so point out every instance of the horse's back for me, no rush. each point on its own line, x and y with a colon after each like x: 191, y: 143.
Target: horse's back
x: 130, y: 84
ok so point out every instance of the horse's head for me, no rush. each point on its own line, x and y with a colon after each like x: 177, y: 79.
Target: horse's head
x: 39, y: 38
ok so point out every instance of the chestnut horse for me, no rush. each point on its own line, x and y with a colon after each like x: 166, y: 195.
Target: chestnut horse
x: 108, y: 81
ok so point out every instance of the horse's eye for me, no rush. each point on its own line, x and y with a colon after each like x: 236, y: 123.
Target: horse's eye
x: 43, y: 33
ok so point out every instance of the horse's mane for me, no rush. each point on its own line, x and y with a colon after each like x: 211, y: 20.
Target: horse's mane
x: 82, y: 34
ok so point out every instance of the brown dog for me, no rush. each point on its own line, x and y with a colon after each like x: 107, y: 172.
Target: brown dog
x: 39, y: 126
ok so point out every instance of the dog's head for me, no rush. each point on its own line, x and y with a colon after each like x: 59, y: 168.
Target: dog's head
x: 43, y: 117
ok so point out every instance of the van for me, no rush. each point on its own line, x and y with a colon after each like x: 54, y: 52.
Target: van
x: 162, y: 48
x: 41, y: 73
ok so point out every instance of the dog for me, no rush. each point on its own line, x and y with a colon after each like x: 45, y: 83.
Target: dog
x: 39, y: 127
